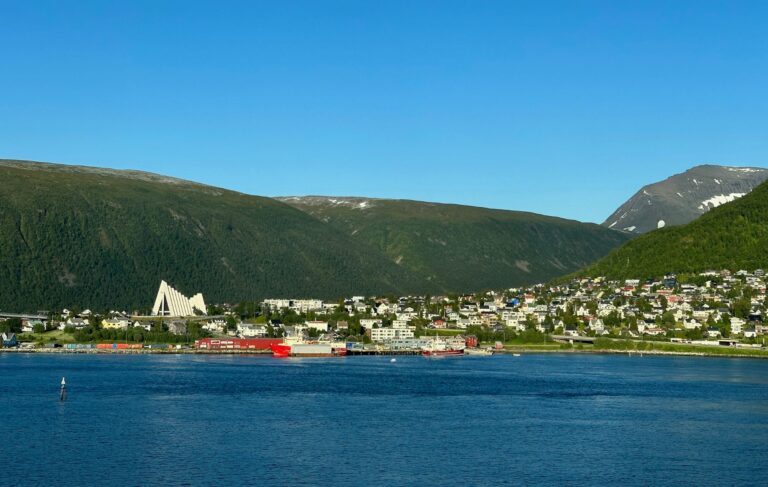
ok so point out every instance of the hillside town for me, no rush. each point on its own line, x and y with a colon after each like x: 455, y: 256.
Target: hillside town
x: 720, y: 307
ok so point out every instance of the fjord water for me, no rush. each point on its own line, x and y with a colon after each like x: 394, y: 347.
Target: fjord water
x: 253, y: 420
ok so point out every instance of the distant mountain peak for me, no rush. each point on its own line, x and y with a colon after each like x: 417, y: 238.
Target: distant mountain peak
x: 684, y: 197
x: 732, y: 236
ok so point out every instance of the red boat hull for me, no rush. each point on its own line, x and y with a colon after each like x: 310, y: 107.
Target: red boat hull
x: 281, y: 350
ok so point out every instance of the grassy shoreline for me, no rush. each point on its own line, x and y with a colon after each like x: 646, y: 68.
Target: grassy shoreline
x: 628, y: 347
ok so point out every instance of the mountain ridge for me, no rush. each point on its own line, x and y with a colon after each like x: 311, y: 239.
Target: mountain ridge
x: 84, y: 236
x: 683, y: 197
x: 423, y: 235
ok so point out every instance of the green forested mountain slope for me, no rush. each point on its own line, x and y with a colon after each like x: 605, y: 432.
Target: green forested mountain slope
x: 74, y: 236
x: 462, y: 247
x: 100, y: 238
x: 732, y: 236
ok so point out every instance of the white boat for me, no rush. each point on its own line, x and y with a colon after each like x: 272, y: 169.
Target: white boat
x: 478, y: 352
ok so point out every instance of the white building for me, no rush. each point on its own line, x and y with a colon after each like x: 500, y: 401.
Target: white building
x: 369, y: 323
x: 399, y: 330
x: 383, y: 334
x: 247, y: 330
x: 737, y: 325
x: 215, y: 326
x: 170, y: 302
x: 317, y: 325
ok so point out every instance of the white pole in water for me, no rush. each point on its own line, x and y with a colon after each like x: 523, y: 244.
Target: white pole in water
x: 63, y: 393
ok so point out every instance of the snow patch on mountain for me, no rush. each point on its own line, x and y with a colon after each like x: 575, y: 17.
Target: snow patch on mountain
x: 718, y: 200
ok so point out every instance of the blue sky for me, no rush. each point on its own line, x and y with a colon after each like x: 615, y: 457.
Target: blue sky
x: 558, y: 107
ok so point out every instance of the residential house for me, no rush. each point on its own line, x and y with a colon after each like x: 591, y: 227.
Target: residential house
x: 115, y: 323
x: 9, y: 340
x: 321, y: 326
x: 247, y: 330
x: 28, y: 326
x: 215, y: 325
x: 737, y: 325
x: 77, y: 323
x: 146, y: 325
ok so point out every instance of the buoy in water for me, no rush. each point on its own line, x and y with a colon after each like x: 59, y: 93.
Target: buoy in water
x: 393, y: 360
x: 63, y: 392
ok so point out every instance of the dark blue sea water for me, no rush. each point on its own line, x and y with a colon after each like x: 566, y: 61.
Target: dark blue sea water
x: 255, y: 420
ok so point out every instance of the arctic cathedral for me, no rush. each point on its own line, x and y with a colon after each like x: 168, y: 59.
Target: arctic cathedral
x: 170, y: 302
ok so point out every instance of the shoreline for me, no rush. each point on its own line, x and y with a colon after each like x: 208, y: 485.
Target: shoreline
x: 521, y: 350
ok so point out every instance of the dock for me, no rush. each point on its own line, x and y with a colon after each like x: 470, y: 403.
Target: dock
x: 382, y: 351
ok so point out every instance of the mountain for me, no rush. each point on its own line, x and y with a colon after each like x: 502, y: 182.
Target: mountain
x: 80, y: 236
x: 463, y: 247
x: 684, y: 197
x: 101, y: 238
x: 732, y: 236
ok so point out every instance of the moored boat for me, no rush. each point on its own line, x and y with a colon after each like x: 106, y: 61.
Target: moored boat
x: 441, y: 353
x: 478, y: 352
x: 441, y: 348
x: 298, y: 347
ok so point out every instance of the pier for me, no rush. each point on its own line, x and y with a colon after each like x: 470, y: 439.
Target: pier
x: 383, y: 351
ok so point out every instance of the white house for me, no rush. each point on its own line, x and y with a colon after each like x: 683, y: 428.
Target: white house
x: 737, y: 325
x: 215, y: 326
x: 247, y: 330
x: 317, y: 325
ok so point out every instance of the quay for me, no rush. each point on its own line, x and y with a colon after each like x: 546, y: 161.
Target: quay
x: 382, y: 351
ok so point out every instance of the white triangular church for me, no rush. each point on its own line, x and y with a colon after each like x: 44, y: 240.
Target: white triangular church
x: 170, y: 302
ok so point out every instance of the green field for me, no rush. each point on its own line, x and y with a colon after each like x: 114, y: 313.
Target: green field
x: 57, y: 336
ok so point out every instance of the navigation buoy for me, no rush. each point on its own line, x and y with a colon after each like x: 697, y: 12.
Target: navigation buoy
x: 63, y: 393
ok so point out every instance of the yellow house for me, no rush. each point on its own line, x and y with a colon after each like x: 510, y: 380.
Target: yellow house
x: 115, y: 323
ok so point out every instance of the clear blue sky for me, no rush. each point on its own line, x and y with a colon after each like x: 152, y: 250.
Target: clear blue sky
x: 557, y: 107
